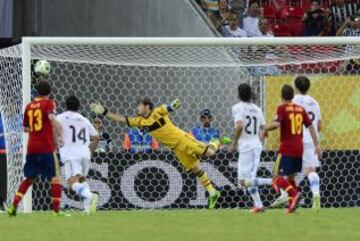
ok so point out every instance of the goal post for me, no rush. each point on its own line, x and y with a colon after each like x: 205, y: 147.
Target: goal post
x: 204, y: 73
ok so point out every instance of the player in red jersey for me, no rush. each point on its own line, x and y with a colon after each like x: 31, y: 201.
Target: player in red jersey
x: 290, y: 118
x: 40, y: 122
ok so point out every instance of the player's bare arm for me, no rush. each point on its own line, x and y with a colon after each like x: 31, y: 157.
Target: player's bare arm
x: 101, y: 110
x: 239, y: 126
x: 95, y: 141
x: 275, y: 125
x: 320, y: 126
x: 315, y: 139
x: 58, y: 129
x: 263, y: 133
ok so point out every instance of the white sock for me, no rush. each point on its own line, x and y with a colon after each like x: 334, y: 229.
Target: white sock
x: 314, y: 180
x: 82, y: 189
x: 254, y: 193
x: 283, y: 193
x: 259, y: 181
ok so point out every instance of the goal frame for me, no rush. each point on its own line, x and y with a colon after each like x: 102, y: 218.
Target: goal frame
x: 29, y: 42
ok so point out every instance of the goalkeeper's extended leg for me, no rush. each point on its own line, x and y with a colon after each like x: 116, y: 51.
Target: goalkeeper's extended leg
x: 205, y: 181
x: 212, y: 147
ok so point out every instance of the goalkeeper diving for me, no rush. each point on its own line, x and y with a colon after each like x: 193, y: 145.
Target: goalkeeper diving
x: 186, y: 148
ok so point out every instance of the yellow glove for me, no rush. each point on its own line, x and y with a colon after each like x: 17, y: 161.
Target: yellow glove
x: 98, y: 109
x: 175, y: 104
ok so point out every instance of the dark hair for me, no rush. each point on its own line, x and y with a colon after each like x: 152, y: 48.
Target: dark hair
x: 302, y: 83
x: 227, y: 1
x: 253, y: 2
x: 72, y: 103
x: 318, y: 1
x: 43, y: 87
x: 244, y: 92
x: 146, y: 101
x: 232, y: 12
x: 205, y: 113
x: 287, y: 92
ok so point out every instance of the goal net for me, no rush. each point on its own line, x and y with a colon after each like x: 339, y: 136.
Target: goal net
x: 203, y: 74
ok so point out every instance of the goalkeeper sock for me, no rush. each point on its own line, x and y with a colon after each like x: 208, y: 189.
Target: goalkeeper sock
x: 24, y: 186
x: 214, y: 144
x: 56, y: 196
x: 205, y: 181
x: 82, y: 190
x: 314, y: 180
x: 254, y: 193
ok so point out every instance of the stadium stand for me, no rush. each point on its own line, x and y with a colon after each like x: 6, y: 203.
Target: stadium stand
x: 285, y: 16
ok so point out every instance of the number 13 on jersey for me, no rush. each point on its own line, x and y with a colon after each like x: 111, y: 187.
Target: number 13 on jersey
x: 35, y: 119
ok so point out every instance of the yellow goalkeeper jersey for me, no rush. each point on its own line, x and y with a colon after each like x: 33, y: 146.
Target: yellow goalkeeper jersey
x: 159, y: 125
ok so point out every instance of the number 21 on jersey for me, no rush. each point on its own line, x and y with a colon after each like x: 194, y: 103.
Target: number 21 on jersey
x: 251, y: 126
x: 35, y: 119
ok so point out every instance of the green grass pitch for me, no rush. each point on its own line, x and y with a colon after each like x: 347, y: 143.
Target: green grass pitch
x: 181, y: 225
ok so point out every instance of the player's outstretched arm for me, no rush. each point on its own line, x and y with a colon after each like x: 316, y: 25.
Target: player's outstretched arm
x: 272, y: 126
x: 101, y: 110
x: 263, y: 133
x: 315, y: 139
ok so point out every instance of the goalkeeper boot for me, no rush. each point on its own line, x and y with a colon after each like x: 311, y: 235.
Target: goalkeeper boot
x: 11, y: 210
x: 225, y: 140
x: 213, y: 199
x: 61, y: 214
x: 316, y: 202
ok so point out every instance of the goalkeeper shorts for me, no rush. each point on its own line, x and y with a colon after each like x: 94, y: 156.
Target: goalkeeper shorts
x: 189, y: 150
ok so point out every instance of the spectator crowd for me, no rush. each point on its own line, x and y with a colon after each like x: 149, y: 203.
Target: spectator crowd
x: 269, y: 18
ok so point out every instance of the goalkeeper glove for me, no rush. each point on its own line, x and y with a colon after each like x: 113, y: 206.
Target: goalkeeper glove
x: 98, y: 109
x: 175, y: 104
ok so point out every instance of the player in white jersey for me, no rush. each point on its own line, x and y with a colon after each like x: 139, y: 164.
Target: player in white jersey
x: 249, y: 121
x: 310, y: 158
x: 76, y: 152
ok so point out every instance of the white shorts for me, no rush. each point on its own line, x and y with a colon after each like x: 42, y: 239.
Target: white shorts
x: 310, y: 158
x: 76, y: 167
x: 246, y: 165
